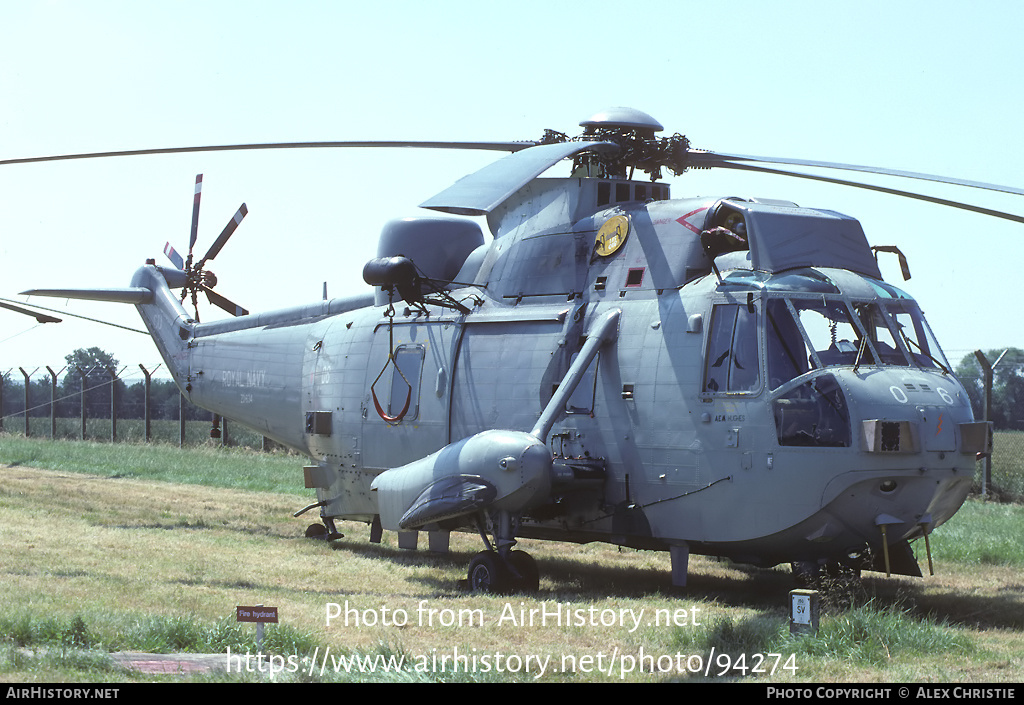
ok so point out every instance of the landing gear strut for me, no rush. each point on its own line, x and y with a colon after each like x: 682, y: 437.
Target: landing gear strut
x: 499, y: 569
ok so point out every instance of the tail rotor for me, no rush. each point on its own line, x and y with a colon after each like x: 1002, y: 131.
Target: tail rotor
x: 197, y: 278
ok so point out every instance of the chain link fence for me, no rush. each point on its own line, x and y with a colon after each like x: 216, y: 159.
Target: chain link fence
x: 1007, y: 478
x: 109, y: 407
x: 994, y: 381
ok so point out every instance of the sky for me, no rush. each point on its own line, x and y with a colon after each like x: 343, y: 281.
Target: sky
x: 921, y: 86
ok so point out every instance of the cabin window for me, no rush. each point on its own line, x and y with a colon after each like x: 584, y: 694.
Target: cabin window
x: 732, y: 364
x: 408, y: 359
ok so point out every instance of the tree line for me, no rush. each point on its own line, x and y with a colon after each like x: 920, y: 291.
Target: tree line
x: 95, y: 366
x: 1007, y: 386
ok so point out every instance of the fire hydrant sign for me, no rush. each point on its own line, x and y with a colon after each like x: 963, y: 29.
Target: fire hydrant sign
x: 257, y: 613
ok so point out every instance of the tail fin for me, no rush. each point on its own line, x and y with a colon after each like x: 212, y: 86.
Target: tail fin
x: 167, y: 322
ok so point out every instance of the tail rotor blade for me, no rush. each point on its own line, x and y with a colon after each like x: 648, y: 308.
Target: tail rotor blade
x: 174, y: 257
x: 225, y: 234
x: 224, y: 303
x: 195, y: 213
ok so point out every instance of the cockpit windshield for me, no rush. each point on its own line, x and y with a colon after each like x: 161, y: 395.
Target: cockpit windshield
x: 804, y: 334
x: 912, y: 329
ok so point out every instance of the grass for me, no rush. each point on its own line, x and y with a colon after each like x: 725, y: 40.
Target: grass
x: 981, y: 533
x: 131, y: 557
x: 209, y: 464
x: 147, y: 632
x: 873, y: 636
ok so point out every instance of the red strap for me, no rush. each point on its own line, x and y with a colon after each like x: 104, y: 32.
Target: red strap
x: 401, y: 414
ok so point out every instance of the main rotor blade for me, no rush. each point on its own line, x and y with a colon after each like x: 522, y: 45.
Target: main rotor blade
x: 484, y: 190
x: 711, y: 159
x: 224, y: 235
x: 224, y: 303
x: 40, y: 317
x: 491, y: 146
x: 84, y: 318
x: 880, y: 189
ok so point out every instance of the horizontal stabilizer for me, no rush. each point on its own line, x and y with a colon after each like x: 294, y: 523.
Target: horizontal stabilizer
x: 125, y: 295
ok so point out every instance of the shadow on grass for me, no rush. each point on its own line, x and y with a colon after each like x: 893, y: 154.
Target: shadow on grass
x: 574, y: 580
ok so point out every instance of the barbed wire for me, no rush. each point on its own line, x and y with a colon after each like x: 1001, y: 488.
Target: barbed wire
x: 137, y: 377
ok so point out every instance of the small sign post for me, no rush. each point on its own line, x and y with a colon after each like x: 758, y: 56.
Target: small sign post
x: 804, y: 612
x: 258, y: 614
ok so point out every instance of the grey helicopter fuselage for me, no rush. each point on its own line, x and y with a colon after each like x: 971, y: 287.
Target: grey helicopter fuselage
x: 786, y: 405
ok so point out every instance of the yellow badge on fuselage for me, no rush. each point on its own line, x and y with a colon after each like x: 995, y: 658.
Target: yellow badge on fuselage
x: 612, y: 235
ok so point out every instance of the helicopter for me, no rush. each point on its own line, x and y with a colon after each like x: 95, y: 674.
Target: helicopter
x: 717, y: 376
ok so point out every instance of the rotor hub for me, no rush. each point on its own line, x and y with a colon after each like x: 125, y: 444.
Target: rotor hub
x: 633, y: 131
x: 628, y: 118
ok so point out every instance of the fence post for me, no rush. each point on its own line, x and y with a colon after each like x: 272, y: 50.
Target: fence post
x: 53, y: 401
x: 113, y: 402
x: 26, y: 375
x: 81, y: 377
x: 3, y: 382
x: 989, y: 378
x: 149, y: 376
x: 113, y: 405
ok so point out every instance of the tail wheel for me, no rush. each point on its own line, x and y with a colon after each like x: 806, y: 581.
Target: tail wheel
x: 490, y: 573
x: 316, y: 531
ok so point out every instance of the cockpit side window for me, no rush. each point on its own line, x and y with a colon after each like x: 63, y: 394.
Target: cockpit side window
x: 787, y: 353
x: 732, y: 363
x: 813, y: 414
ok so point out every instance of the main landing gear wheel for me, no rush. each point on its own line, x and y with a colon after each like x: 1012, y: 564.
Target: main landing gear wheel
x: 487, y: 574
x: 490, y: 573
x: 499, y: 570
x: 528, y: 579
